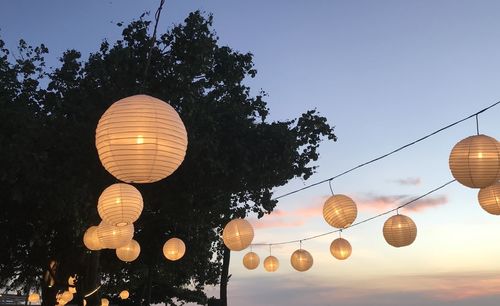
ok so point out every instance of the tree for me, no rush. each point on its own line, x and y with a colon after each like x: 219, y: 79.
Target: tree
x: 53, y: 176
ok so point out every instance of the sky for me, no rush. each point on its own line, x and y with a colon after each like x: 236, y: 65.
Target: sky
x: 384, y: 73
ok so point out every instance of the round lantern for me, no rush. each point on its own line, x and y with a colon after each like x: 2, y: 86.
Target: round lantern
x: 34, y: 298
x: 237, y: 234
x: 271, y: 263
x: 475, y: 161
x: 251, y: 260
x: 301, y: 260
x: 120, y: 204
x: 66, y: 297
x: 124, y: 295
x: 399, y: 231
x: 174, y: 249
x: 104, y: 302
x: 84, y: 302
x: 489, y: 198
x: 113, y: 237
x: 72, y: 290
x: 340, y: 211
x: 141, y: 139
x: 340, y: 248
x: 129, y: 252
x: 90, y: 239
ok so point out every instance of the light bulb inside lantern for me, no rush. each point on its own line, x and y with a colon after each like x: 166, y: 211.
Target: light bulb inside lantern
x: 140, y: 139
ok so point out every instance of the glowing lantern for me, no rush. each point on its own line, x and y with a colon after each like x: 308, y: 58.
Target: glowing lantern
x: 340, y: 211
x: 65, y: 297
x: 104, y: 302
x: 120, y: 204
x: 301, y: 260
x: 475, y: 161
x: 113, y: 237
x: 129, y: 252
x: 124, y: 295
x: 174, y: 249
x: 72, y: 290
x: 340, y: 248
x: 84, y: 302
x: 72, y: 279
x: 251, y: 260
x: 271, y: 263
x: 34, y: 298
x: 399, y: 231
x: 237, y: 234
x: 91, y: 240
x: 141, y: 139
x: 489, y: 198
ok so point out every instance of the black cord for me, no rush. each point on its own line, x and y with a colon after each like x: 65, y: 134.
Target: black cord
x: 153, y: 40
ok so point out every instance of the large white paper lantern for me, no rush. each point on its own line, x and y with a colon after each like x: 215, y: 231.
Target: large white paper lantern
x: 141, y: 139
x: 340, y: 211
x: 174, y: 249
x: 399, y: 231
x: 271, y: 263
x: 489, y: 198
x: 237, y: 234
x: 301, y: 260
x: 129, y: 252
x: 251, y: 260
x: 124, y: 295
x: 340, y: 248
x: 34, y: 298
x: 475, y: 161
x: 91, y: 240
x: 112, y: 237
x: 120, y: 204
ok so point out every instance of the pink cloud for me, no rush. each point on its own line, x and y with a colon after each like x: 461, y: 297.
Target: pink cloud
x: 410, y: 181
x: 378, y: 203
x: 277, y: 223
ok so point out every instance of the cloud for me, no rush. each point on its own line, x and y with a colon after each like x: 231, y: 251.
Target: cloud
x: 380, y: 203
x: 410, y: 181
x: 263, y: 223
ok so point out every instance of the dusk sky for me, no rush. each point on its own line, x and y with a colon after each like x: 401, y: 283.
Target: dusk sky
x: 384, y: 73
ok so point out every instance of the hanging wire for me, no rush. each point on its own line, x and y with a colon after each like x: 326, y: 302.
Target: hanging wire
x: 360, y: 222
x: 477, y: 124
x: 152, y: 44
x: 387, y: 154
x: 330, y: 184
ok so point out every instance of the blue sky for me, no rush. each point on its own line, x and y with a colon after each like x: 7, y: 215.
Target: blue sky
x: 384, y: 73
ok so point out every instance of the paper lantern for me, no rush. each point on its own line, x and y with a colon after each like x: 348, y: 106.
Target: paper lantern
x: 489, y: 198
x: 251, y: 260
x: 475, y: 161
x: 65, y: 297
x: 141, y: 139
x: 301, y: 260
x: 72, y: 290
x: 113, y: 237
x: 399, y: 231
x: 72, y: 279
x: 34, y: 298
x: 237, y: 234
x: 84, y: 302
x: 271, y: 263
x: 104, y: 302
x: 124, y: 295
x: 120, y: 204
x: 340, y: 248
x: 91, y: 240
x: 340, y: 211
x: 129, y: 252
x: 174, y: 249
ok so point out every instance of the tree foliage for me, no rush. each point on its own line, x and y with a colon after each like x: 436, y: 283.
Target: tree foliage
x: 52, y: 177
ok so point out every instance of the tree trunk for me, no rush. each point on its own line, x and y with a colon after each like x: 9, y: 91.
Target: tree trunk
x: 224, y: 278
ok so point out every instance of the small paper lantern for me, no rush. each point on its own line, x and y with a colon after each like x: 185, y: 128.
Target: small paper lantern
x: 104, y: 302
x: 129, y: 252
x: 34, y: 298
x: 475, y: 161
x: 251, y: 260
x: 340, y: 211
x: 271, y: 263
x: 90, y: 239
x: 124, y: 295
x: 174, y: 249
x: 301, y: 260
x: 141, y: 139
x: 84, y: 302
x: 120, y: 204
x: 113, y: 237
x: 399, y: 231
x: 65, y: 297
x: 72, y: 290
x: 237, y: 234
x: 489, y: 198
x: 72, y: 279
x: 340, y: 248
